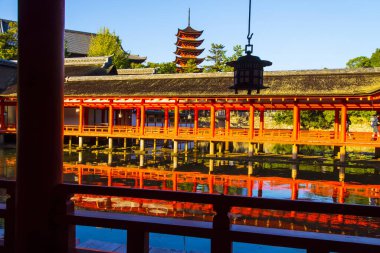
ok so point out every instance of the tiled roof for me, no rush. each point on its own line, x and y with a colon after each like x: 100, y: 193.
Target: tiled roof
x: 342, y: 82
x: 140, y: 71
x: 77, y: 42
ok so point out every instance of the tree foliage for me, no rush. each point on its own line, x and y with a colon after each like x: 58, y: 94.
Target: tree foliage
x: 359, y: 62
x: 8, y: 43
x: 217, y: 57
x: 365, y: 62
x: 164, y: 67
x: 375, y: 58
x: 106, y: 43
x: 191, y: 67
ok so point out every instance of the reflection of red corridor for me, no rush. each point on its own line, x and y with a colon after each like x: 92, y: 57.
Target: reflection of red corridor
x: 168, y: 180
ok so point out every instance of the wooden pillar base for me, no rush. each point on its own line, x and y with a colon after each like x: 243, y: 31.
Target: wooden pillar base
x: 377, y: 152
x: 342, y: 154
x: 295, y: 151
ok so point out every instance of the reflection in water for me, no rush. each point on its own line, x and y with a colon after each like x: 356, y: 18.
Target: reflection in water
x: 318, y: 181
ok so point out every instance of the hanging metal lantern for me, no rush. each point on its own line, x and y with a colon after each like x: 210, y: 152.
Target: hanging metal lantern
x: 248, y: 69
x: 248, y: 73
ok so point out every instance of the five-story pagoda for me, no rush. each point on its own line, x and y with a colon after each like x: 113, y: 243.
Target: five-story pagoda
x: 187, y: 47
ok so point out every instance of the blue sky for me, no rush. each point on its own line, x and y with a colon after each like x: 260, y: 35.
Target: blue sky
x: 293, y: 34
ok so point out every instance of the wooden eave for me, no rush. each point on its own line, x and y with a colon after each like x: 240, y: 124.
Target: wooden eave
x: 184, y: 50
x: 182, y: 59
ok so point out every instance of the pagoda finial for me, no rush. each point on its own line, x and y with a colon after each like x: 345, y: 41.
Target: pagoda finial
x: 189, y: 18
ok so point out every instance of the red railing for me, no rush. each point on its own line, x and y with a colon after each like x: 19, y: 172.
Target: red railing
x: 220, y: 231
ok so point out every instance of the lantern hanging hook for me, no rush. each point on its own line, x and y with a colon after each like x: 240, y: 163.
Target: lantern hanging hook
x: 249, y: 47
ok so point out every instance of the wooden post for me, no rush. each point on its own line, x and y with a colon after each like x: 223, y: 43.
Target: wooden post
x: 138, y: 118
x: 2, y: 110
x: 221, y: 243
x: 195, y: 121
x: 109, y: 176
x: 294, y: 151
x: 110, y: 119
x: 142, y: 120
x: 81, y: 118
x: 110, y: 143
x: 251, y: 122
x: 212, y: 120
x: 40, y: 233
x: 175, y: 147
x: 296, y: 122
x: 166, y: 120
x: 336, y: 125
x: 176, y: 120
x: 343, y: 121
x: 261, y: 128
x: 228, y: 121
x: 174, y: 181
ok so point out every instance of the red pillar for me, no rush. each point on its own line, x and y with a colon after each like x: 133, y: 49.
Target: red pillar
x: 296, y: 122
x: 166, y: 120
x: 210, y: 183
x: 261, y: 129
x: 336, y: 125
x: 212, y: 121
x: 176, y: 120
x: 81, y: 118
x: 110, y: 119
x: 142, y: 119
x: 343, y: 121
x: 251, y: 122
x: 174, y: 180
x: 80, y: 175
x: 40, y: 89
x: 294, y: 186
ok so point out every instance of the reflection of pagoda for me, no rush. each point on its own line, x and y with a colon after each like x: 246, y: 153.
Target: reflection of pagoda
x: 187, y: 44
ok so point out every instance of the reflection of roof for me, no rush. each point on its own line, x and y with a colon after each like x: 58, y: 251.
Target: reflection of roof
x: 341, y: 82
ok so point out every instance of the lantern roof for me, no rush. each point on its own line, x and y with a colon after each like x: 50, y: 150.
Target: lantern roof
x: 249, y: 59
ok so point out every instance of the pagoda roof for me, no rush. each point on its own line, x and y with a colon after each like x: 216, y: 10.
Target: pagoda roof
x: 191, y: 50
x: 184, y: 59
x: 181, y: 41
x: 290, y: 84
x: 190, y: 31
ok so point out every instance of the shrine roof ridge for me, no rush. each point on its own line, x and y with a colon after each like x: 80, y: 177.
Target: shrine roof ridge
x: 227, y: 74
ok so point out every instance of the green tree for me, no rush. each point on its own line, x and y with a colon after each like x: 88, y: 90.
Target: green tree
x: 8, y: 43
x: 217, y: 57
x: 164, y: 67
x: 375, y: 58
x: 191, y: 67
x: 106, y: 43
x: 310, y: 119
x: 359, y: 62
x: 238, y: 52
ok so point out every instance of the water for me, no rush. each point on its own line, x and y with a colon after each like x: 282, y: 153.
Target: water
x: 318, y: 179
